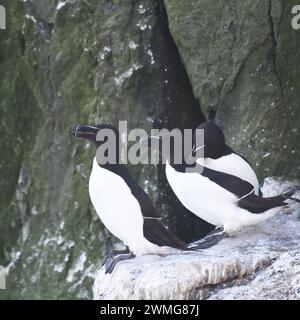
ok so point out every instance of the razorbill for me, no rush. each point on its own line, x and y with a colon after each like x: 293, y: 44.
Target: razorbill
x: 222, y: 187
x: 220, y: 157
x: 123, y: 206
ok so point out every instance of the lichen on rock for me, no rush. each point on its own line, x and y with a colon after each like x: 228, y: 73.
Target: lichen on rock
x: 63, y: 62
x: 241, y: 59
x: 154, y: 63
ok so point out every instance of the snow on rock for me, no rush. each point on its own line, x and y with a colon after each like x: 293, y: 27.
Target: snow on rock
x: 141, y: 9
x: 127, y: 74
x: 61, y: 4
x: 132, y: 45
x: 32, y: 18
x: 260, y: 262
x: 79, y: 266
x: 150, y: 54
x: 105, y: 52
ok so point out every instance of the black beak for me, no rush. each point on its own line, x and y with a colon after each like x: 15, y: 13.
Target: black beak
x: 74, y: 129
x: 84, y: 131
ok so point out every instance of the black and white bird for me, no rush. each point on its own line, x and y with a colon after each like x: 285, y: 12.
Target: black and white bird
x: 222, y: 188
x: 219, y: 156
x: 124, y: 207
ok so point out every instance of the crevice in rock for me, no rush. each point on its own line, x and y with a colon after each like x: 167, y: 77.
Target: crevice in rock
x: 178, y: 90
x: 275, y: 60
x: 180, y: 109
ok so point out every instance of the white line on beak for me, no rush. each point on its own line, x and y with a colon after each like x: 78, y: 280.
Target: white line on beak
x: 91, y: 127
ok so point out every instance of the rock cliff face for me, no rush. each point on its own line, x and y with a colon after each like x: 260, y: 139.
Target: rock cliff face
x: 111, y: 60
x: 67, y: 61
x: 262, y: 262
x: 241, y: 59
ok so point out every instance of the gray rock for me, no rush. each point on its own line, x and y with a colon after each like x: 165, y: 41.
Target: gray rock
x: 278, y: 281
x: 261, y: 262
x: 100, y: 60
x: 241, y: 59
x: 62, y: 62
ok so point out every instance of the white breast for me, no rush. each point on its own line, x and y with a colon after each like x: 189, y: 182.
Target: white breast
x: 211, y: 202
x: 235, y: 165
x: 119, y: 210
x: 200, y: 195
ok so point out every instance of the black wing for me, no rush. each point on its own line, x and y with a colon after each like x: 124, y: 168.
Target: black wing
x: 245, y: 191
x: 228, y: 151
x: 257, y: 204
x: 153, y: 228
x: 147, y: 207
x: 156, y: 232
x: 233, y: 184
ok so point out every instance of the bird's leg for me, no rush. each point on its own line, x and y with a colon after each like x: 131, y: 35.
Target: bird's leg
x: 210, y: 240
x: 114, y: 253
x: 111, y: 263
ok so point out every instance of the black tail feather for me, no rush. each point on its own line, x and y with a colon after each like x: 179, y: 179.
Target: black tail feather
x: 257, y: 204
x: 157, y: 233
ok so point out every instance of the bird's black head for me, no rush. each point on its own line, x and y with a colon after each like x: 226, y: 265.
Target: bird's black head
x: 106, y: 139
x: 214, y: 140
x: 92, y: 132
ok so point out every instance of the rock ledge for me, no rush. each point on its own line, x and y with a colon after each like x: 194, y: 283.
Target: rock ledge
x: 262, y: 262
